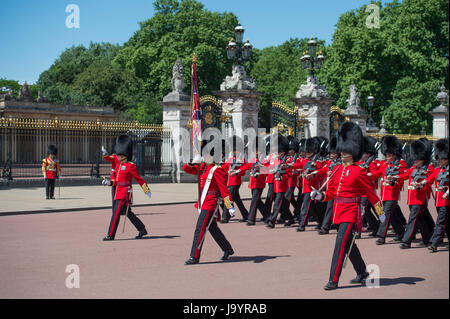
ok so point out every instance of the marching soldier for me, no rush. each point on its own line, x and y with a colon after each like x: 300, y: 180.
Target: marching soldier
x: 232, y: 166
x: 417, y: 195
x: 346, y: 186
x: 213, y: 181
x: 312, y: 178
x: 51, y: 171
x: 390, y: 187
x: 126, y: 171
x: 256, y: 184
x: 334, y: 161
x: 370, y: 164
x: 282, y: 174
x: 441, y: 179
x: 294, y: 154
x: 269, y: 162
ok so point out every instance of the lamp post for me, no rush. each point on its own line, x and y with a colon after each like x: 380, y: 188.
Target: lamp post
x: 371, y: 127
x: 236, y: 49
x: 310, y: 60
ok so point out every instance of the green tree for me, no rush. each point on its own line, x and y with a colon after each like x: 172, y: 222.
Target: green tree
x: 178, y: 30
x: 56, y: 82
x: 411, y: 43
x: 278, y: 72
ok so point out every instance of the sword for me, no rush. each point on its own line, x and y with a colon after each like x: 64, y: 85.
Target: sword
x: 207, y: 227
x: 128, y: 208
x: 350, y: 249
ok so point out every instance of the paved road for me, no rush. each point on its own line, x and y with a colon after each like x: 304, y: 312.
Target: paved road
x: 25, y: 200
x: 35, y: 250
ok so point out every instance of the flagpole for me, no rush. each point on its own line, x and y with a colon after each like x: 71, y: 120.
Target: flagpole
x: 194, y: 83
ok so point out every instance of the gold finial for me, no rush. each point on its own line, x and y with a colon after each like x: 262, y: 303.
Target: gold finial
x: 194, y: 58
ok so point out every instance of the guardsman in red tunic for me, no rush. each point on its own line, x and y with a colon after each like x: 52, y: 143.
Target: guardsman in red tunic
x: 313, y: 177
x: 417, y: 195
x: 269, y: 163
x: 213, y: 188
x: 125, y: 172
x: 232, y: 166
x: 294, y: 155
x: 333, y: 162
x: 370, y: 164
x: 51, y: 171
x: 441, y: 179
x: 390, y: 187
x: 282, y: 175
x: 256, y: 184
x: 346, y: 186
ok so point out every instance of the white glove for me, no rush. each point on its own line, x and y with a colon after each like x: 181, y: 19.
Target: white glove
x: 106, y: 182
x: 232, y: 211
x: 316, y: 195
x: 104, y: 152
x: 197, y: 159
x: 382, y: 218
x: 149, y: 194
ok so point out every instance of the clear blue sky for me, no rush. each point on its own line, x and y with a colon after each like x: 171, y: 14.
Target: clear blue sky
x: 35, y: 32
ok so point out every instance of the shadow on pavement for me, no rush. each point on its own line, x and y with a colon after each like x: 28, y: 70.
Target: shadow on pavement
x: 391, y: 282
x: 150, y: 237
x: 237, y: 259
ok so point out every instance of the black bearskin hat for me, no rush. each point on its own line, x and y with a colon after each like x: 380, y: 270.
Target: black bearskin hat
x: 369, y: 145
x: 421, y: 150
x: 323, y: 147
x: 282, y: 143
x: 293, y: 144
x: 312, y: 145
x: 391, y: 144
x: 236, y: 143
x: 441, y: 149
x: 302, y: 145
x: 332, y: 145
x: 124, y: 146
x: 52, y: 149
x: 113, y: 147
x: 351, y: 140
x: 204, y: 142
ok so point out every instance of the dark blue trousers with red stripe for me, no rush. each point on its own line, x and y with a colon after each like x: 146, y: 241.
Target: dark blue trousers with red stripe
x: 417, y: 221
x: 120, y: 208
x: 441, y: 226
x: 200, y: 231
x: 257, y: 204
x: 343, y: 240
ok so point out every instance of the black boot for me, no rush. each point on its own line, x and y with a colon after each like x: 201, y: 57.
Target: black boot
x: 191, y: 261
x: 359, y: 278
x: 331, y: 285
x: 107, y: 238
x: 141, y: 234
x: 227, y: 254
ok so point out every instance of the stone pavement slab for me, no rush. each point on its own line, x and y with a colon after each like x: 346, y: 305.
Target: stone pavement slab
x: 32, y: 200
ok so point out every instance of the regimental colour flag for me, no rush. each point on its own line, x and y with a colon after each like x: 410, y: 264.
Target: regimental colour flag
x: 196, y: 115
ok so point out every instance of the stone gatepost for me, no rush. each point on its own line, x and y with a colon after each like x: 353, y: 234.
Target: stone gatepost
x: 440, y: 115
x: 354, y: 111
x: 240, y: 98
x: 176, y: 114
x: 314, y: 104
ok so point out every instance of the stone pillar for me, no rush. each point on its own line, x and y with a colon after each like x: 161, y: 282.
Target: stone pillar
x: 312, y: 100
x: 176, y: 114
x: 354, y: 111
x: 240, y: 98
x: 440, y: 115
